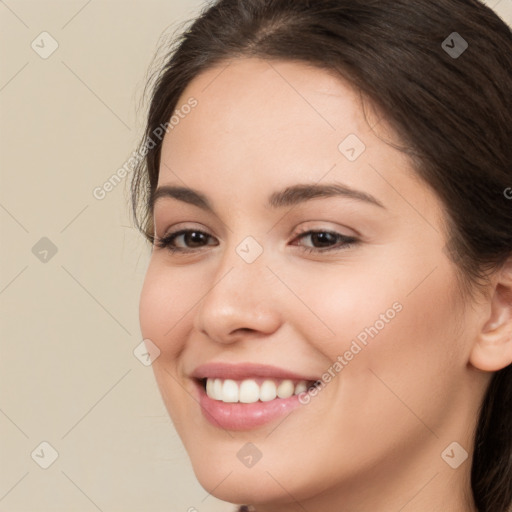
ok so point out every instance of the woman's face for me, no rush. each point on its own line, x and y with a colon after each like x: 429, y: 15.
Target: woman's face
x: 351, y: 283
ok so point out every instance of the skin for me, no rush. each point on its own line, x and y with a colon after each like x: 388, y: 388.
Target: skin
x: 372, y: 438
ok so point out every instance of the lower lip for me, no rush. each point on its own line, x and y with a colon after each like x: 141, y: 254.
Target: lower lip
x: 239, y: 416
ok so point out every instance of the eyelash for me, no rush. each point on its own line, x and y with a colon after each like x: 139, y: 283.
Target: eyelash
x: 346, y: 241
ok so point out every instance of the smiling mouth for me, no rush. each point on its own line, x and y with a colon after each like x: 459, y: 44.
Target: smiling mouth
x: 253, y: 390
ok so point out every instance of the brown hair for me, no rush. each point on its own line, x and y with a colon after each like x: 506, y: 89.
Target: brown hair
x: 452, y: 112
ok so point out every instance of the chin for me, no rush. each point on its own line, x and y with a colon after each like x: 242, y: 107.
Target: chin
x: 244, y: 487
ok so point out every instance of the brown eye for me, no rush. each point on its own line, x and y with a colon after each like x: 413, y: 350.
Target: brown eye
x: 189, y: 239
x: 323, y: 241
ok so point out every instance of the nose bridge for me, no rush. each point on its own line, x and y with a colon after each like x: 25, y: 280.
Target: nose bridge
x: 239, y: 295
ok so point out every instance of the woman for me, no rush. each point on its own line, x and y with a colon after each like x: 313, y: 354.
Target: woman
x: 330, y: 285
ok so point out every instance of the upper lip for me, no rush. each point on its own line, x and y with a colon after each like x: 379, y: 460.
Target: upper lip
x: 243, y: 371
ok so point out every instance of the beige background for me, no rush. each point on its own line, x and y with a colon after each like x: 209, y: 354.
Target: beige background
x: 68, y: 375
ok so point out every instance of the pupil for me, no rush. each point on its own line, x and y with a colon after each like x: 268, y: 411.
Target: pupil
x: 324, y: 238
x: 193, y: 237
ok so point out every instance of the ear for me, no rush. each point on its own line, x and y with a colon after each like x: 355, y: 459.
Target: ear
x: 492, y: 350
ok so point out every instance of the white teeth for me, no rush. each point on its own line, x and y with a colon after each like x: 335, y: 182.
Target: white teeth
x: 209, y: 388
x: 249, y: 391
x: 300, y: 387
x: 268, y: 391
x: 229, y: 391
x: 217, y: 389
x: 285, y: 389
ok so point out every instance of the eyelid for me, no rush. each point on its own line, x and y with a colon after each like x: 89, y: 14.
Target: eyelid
x: 324, y: 229
x: 301, y: 231
x: 163, y: 242
x: 182, y: 226
x: 344, y: 241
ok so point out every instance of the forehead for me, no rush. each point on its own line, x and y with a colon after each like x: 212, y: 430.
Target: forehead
x: 269, y: 124
x: 250, y: 95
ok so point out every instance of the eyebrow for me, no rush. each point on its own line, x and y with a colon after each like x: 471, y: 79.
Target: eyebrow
x: 290, y: 196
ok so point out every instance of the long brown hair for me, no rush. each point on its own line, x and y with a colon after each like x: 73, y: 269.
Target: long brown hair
x: 452, y: 112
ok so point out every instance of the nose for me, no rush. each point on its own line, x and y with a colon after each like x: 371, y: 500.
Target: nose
x: 240, y: 302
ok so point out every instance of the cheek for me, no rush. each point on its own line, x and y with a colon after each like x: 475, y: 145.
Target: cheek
x: 152, y: 305
x: 341, y: 305
x: 401, y: 325
x: 164, y: 302
x: 401, y: 310
x: 163, y: 306
x: 403, y: 353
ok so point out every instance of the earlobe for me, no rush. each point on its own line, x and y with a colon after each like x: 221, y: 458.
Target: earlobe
x: 492, y: 350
